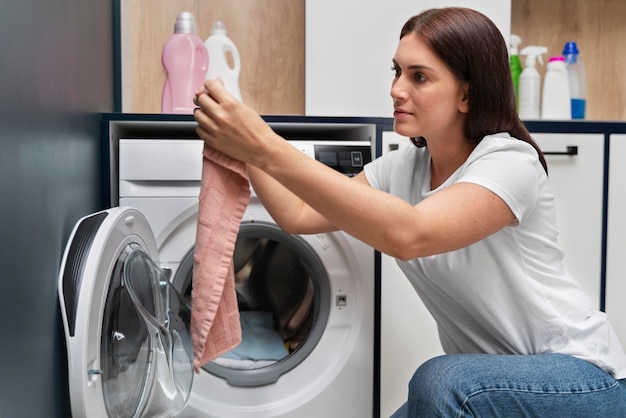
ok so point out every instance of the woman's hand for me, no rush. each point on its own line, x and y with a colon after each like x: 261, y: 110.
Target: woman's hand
x: 229, y: 126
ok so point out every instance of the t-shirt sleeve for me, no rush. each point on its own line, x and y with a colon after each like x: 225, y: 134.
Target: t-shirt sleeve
x: 379, y: 172
x: 511, y: 170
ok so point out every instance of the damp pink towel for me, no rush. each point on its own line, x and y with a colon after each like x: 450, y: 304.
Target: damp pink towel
x: 224, y: 195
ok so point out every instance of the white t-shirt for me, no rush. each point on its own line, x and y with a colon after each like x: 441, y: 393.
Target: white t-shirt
x: 509, y: 293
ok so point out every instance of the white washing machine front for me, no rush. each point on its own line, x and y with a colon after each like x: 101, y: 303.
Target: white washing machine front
x: 319, y: 292
x: 309, y: 298
x: 161, y: 178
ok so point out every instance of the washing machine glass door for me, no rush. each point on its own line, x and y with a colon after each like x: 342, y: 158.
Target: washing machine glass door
x: 145, y: 345
x: 127, y: 329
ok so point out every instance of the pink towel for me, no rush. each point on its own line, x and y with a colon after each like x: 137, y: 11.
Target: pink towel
x: 224, y: 195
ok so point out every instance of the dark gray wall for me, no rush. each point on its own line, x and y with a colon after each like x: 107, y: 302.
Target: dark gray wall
x: 56, y: 76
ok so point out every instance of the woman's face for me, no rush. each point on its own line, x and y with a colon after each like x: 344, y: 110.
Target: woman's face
x: 428, y: 99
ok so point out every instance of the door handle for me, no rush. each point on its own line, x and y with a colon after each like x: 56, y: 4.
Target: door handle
x: 569, y: 150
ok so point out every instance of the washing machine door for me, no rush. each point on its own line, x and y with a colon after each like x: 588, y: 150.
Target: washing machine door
x: 126, y: 328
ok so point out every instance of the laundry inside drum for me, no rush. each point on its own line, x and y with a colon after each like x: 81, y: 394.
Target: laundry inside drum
x: 276, y: 298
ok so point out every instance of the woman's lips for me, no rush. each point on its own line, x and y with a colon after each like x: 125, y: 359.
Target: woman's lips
x: 398, y: 113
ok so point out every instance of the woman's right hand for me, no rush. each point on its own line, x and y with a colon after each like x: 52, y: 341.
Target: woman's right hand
x: 231, y: 127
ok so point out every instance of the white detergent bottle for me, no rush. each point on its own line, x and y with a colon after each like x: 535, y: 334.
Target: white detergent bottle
x: 555, y: 99
x: 530, y: 83
x: 225, y: 62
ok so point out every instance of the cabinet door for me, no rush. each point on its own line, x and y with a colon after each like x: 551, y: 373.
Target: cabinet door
x: 349, y: 46
x: 616, y: 238
x: 408, y: 332
x: 577, y: 182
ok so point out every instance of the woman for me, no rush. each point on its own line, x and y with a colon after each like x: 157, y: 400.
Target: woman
x: 469, y: 214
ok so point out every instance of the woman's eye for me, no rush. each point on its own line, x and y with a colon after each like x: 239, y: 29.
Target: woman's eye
x: 419, y: 77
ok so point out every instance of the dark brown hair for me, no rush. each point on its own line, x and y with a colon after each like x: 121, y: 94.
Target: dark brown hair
x: 473, y: 48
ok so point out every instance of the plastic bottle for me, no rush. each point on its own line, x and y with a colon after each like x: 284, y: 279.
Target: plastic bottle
x: 185, y: 60
x: 530, y: 83
x: 577, y: 80
x: 515, y: 64
x: 555, y: 99
x: 221, y: 48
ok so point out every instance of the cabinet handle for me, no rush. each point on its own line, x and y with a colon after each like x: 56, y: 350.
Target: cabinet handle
x: 569, y: 150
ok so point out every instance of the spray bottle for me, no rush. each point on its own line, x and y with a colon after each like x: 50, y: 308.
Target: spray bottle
x: 530, y: 83
x: 515, y: 64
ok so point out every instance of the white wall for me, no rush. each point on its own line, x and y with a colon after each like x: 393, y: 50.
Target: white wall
x: 350, y: 44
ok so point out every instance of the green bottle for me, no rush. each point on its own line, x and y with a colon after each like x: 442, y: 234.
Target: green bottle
x: 515, y: 64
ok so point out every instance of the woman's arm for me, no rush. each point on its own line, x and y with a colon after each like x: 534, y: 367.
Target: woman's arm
x: 290, y: 212
x: 450, y: 219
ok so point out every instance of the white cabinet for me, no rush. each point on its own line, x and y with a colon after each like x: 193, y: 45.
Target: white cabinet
x: 616, y: 237
x: 349, y: 46
x: 408, y: 332
x: 577, y: 182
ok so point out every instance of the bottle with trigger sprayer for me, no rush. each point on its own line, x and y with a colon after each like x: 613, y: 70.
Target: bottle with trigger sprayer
x: 530, y: 83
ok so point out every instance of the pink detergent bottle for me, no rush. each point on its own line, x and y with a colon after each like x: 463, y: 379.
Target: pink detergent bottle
x: 185, y: 60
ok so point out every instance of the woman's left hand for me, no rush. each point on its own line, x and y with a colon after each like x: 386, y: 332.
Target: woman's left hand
x: 229, y: 126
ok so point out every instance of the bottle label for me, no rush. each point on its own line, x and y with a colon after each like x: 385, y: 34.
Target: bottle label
x: 578, y: 108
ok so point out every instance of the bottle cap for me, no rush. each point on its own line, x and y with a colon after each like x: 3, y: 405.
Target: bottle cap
x: 557, y: 58
x: 570, y: 48
x: 514, y: 42
x: 185, y: 23
x: 219, y: 28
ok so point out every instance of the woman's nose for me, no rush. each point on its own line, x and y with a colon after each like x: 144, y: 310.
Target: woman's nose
x: 397, y: 92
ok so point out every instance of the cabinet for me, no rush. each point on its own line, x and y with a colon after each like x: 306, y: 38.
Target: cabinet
x: 408, y: 332
x: 577, y: 182
x: 269, y: 35
x: 349, y: 46
x: 319, y: 57
x: 616, y: 237
x: 597, y: 26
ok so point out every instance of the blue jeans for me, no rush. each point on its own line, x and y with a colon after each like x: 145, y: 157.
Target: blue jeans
x: 489, y: 385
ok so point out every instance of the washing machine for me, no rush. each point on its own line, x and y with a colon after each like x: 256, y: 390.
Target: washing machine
x: 306, y: 301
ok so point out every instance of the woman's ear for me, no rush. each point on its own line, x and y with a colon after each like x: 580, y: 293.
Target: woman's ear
x: 464, y: 103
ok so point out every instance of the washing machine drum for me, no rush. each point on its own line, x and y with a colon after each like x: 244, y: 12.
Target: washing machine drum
x: 273, y: 279
x: 283, y: 295
x: 127, y: 329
